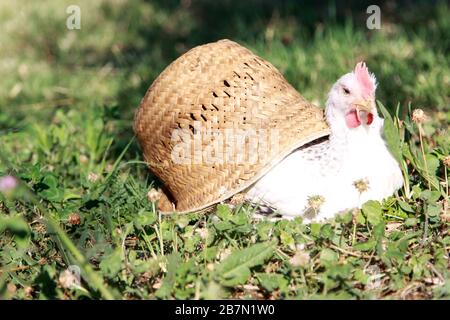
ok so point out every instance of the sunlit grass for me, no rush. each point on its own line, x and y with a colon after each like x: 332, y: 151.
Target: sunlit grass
x: 66, y: 109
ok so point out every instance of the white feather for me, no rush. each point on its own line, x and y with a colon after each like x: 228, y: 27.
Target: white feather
x: 330, y: 169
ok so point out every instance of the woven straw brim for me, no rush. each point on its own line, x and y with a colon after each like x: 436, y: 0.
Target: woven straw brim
x: 219, y: 86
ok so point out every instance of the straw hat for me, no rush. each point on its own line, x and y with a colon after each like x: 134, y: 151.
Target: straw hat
x: 216, y: 120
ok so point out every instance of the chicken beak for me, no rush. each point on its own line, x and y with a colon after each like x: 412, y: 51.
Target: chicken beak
x: 364, y: 105
x: 364, y: 111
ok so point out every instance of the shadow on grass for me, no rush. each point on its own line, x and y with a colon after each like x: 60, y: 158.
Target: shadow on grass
x: 191, y: 23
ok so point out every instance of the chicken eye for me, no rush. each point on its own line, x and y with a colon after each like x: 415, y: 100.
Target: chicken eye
x: 346, y: 91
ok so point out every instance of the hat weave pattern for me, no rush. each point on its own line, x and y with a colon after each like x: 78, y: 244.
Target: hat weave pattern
x: 215, y: 88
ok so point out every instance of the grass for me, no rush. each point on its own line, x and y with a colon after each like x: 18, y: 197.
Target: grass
x: 67, y: 103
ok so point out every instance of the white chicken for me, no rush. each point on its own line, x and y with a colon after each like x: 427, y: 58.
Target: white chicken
x: 341, y: 172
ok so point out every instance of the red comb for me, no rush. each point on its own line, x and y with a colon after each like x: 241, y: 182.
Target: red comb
x: 363, y: 77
